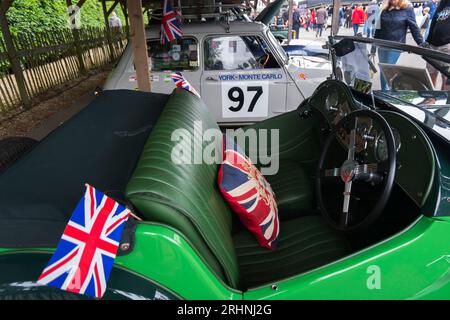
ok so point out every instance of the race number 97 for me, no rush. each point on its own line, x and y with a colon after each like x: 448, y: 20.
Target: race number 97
x: 245, y: 100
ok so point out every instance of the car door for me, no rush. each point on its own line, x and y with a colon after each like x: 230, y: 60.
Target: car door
x: 241, y: 80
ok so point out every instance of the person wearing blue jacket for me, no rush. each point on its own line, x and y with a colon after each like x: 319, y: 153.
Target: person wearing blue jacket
x: 395, y: 19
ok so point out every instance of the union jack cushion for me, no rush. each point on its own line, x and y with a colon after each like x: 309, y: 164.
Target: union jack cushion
x: 249, y: 194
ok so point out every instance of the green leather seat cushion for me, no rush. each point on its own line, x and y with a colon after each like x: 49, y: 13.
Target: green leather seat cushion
x: 303, y: 244
x: 293, y: 188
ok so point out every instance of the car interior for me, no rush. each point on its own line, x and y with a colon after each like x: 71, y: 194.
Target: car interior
x: 330, y: 142
x: 307, y: 240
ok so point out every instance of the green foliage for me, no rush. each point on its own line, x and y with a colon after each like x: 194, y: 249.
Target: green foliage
x: 48, y: 15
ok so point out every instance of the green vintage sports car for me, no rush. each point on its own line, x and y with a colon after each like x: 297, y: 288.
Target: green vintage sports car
x: 363, y: 192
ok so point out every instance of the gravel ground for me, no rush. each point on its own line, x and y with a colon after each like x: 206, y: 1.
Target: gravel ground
x: 21, y: 122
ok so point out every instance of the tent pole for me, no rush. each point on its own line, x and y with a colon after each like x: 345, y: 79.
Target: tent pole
x: 335, y: 18
x: 139, y: 44
x: 290, y: 14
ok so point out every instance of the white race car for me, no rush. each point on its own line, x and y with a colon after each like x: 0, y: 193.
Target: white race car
x: 239, y: 68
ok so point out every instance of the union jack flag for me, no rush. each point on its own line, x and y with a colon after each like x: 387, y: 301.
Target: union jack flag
x: 181, y: 82
x: 243, y: 182
x: 85, y: 254
x: 170, y: 25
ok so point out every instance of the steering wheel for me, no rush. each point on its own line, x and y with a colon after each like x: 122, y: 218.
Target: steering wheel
x: 357, y: 172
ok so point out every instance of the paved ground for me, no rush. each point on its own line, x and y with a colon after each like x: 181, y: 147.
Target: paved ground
x: 342, y: 31
x: 47, y: 115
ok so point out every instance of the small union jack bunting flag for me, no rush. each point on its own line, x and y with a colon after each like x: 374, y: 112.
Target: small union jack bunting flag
x: 181, y: 82
x: 85, y: 254
x: 170, y: 25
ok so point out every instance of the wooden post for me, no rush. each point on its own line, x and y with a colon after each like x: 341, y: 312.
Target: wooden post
x: 12, y: 54
x: 335, y: 22
x: 139, y: 44
x: 106, y: 14
x: 76, y: 39
x: 291, y: 4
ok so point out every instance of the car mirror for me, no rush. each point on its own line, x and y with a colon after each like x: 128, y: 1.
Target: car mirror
x: 343, y: 47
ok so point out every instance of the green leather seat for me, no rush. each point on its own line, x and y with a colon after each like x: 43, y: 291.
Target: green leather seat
x: 186, y: 197
x: 293, y: 187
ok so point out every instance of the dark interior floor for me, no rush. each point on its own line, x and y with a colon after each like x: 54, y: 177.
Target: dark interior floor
x: 398, y: 214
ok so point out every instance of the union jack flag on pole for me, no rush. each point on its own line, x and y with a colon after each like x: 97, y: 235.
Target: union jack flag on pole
x: 170, y: 25
x: 181, y: 82
x: 85, y: 254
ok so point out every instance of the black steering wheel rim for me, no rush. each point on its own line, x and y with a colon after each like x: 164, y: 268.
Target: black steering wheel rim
x: 388, y: 178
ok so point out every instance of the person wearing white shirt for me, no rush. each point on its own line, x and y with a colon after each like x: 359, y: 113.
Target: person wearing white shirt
x: 114, y: 21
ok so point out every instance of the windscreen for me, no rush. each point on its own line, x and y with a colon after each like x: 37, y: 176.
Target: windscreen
x: 415, y: 83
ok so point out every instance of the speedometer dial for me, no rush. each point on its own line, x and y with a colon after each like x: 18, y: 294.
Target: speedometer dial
x: 381, y: 150
x: 332, y: 101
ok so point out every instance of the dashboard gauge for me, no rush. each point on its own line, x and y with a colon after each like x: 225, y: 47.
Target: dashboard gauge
x: 332, y: 101
x: 381, y: 150
x: 363, y: 135
x: 342, y: 110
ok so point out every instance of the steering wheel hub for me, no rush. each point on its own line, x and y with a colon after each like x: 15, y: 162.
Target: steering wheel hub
x: 348, y: 170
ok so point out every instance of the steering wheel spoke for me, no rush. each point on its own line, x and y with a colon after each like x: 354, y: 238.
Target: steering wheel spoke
x: 370, y: 172
x: 346, y: 205
x: 331, y: 173
x: 348, y: 170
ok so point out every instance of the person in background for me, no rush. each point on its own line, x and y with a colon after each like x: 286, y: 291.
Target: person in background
x: 418, y: 9
x: 114, y: 21
x: 425, y: 22
x: 302, y: 21
x: 116, y: 28
x: 295, y: 21
x: 348, y: 17
x: 357, y: 18
x: 373, y: 12
x: 278, y: 20
x: 341, y: 17
x: 432, y: 4
x: 307, y: 18
x: 285, y: 17
x: 395, y: 19
x: 313, y: 19
x: 366, y: 25
x: 439, y: 39
x: 321, y: 19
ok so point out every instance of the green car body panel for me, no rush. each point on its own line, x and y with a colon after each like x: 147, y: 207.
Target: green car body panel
x: 410, y: 265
